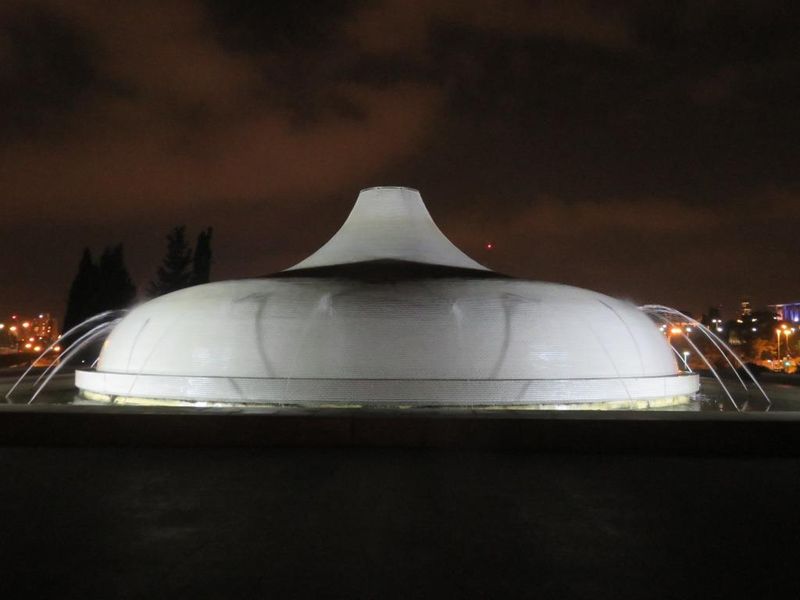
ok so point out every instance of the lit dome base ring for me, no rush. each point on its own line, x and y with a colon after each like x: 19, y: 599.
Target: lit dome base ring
x: 625, y: 392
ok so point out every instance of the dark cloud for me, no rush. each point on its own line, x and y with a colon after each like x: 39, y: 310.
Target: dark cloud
x: 278, y: 28
x: 45, y: 70
x: 646, y: 149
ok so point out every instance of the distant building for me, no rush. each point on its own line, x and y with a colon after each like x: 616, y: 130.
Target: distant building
x: 24, y: 333
x: 746, y: 328
x: 787, y: 312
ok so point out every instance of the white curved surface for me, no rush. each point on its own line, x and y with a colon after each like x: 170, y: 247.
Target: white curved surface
x: 344, y: 329
x: 437, y: 340
x: 389, y: 223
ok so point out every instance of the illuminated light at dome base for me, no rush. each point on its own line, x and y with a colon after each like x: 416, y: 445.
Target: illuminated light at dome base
x: 388, y: 313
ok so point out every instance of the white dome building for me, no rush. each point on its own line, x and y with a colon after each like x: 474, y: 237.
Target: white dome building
x: 388, y: 313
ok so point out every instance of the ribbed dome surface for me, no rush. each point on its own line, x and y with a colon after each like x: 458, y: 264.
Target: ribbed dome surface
x: 339, y: 328
x: 387, y: 311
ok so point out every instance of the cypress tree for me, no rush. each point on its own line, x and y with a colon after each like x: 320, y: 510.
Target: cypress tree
x: 99, y: 287
x: 201, y: 264
x: 174, y: 273
x: 81, y: 301
x: 114, y: 286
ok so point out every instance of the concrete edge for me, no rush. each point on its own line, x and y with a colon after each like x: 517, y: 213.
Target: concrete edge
x: 674, y: 433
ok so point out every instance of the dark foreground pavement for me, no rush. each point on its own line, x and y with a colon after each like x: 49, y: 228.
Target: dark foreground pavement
x: 160, y: 522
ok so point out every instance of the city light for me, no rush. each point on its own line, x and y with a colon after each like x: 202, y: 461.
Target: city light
x: 57, y: 348
x: 675, y: 330
x: 778, y: 332
x: 37, y: 348
x: 37, y: 331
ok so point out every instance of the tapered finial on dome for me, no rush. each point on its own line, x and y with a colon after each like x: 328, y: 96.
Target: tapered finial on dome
x: 389, y: 223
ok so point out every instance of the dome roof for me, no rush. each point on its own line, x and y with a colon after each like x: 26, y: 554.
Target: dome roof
x: 388, y: 311
x: 389, y: 223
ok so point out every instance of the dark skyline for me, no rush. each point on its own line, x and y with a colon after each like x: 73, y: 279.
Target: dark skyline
x: 647, y: 150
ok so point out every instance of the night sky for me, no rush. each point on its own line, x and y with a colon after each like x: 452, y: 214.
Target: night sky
x: 646, y: 150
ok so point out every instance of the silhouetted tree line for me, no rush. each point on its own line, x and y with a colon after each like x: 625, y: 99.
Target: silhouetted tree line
x: 107, y: 285
x: 181, y: 268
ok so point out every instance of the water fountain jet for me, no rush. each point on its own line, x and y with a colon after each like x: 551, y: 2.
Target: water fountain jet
x: 67, y: 335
